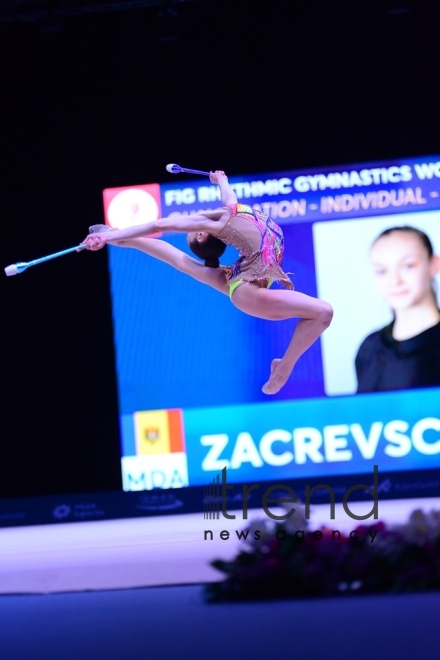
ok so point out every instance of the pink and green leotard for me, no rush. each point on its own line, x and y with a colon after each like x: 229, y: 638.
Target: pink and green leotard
x: 260, y: 242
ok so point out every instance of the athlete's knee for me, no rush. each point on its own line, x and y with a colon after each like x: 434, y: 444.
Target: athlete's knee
x: 325, y: 313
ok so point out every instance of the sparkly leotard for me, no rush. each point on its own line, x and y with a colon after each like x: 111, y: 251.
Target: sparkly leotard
x: 260, y: 242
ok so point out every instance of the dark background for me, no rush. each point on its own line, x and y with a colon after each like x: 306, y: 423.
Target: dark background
x: 106, y: 99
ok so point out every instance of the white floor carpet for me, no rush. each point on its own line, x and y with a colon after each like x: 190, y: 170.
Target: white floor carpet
x: 140, y: 552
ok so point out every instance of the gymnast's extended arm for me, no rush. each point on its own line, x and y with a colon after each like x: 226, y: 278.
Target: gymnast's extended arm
x: 228, y: 196
x: 204, y: 221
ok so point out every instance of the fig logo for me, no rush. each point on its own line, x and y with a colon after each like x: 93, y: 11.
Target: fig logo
x: 134, y: 205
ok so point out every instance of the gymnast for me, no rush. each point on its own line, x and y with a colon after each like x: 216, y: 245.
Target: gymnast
x: 260, y: 243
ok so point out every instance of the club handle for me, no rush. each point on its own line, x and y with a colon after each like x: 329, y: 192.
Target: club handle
x: 55, y: 255
x: 185, y: 169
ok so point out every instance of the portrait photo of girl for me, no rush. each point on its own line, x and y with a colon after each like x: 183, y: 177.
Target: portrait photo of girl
x: 405, y: 353
x: 383, y: 272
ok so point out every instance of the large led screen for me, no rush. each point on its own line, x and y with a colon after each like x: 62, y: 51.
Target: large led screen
x: 190, y: 366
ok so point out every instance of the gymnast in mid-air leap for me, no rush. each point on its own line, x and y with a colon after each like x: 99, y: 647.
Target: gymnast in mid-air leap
x: 260, y: 243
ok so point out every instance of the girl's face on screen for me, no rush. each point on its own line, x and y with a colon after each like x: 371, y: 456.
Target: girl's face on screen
x: 403, y: 269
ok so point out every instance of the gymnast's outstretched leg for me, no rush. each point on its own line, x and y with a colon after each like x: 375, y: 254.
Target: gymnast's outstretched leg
x: 277, y: 305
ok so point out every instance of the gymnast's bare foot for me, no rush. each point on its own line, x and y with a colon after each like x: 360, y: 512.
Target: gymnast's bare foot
x: 277, y: 378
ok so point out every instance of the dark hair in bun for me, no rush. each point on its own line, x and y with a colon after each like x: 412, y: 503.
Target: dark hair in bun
x: 209, y: 250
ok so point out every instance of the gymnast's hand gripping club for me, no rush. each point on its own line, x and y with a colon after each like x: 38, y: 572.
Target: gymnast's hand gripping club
x: 176, y: 169
x: 15, y: 269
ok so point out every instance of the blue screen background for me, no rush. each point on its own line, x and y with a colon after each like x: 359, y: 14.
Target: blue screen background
x: 182, y: 344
